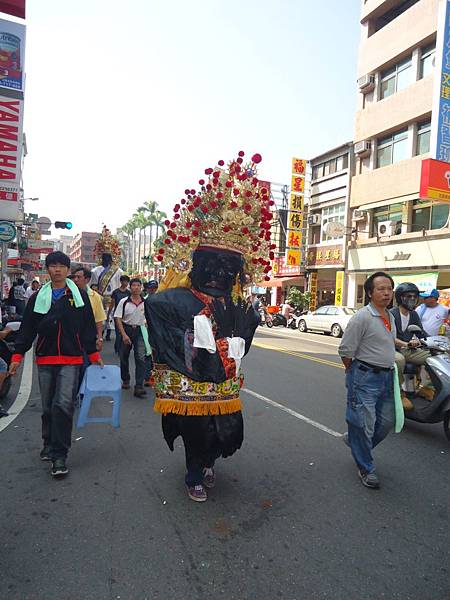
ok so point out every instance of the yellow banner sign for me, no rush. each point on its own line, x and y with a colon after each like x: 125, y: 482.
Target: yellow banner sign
x: 298, y: 184
x: 339, y: 288
x: 313, y: 290
x: 296, y: 202
x: 293, y: 257
x: 298, y: 166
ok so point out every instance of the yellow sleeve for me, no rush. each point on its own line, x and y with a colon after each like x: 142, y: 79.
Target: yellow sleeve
x: 97, y: 307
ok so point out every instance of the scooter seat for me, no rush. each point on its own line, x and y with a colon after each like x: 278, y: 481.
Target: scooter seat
x: 410, y: 369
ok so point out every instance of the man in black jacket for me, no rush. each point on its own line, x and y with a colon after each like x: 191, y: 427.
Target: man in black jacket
x: 61, y: 316
x: 408, y: 342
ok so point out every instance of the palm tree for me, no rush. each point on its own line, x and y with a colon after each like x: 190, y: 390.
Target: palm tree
x: 128, y: 229
x: 140, y: 223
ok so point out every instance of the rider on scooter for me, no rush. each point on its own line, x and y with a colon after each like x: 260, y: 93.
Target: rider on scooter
x: 407, y: 343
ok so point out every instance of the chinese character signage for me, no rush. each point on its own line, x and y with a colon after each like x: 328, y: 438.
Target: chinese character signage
x: 11, y: 119
x: 339, y: 291
x: 435, y: 180
x: 313, y: 290
x: 294, y: 233
x: 324, y: 255
x: 299, y: 167
x: 280, y: 268
x: 12, y: 52
x: 440, y: 138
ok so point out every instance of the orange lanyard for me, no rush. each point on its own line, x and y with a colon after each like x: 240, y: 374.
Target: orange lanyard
x: 386, y: 322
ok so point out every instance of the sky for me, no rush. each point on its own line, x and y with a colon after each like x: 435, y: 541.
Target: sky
x: 130, y: 101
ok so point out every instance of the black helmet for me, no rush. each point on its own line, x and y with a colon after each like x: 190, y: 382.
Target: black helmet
x: 152, y: 283
x: 400, y: 295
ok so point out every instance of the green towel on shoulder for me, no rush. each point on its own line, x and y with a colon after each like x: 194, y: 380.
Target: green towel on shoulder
x: 44, y: 298
x: 399, y: 412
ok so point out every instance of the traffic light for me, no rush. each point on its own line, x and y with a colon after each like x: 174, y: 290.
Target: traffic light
x: 63, y: 225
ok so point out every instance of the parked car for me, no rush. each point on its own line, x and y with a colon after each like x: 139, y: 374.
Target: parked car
x: 329, y: 319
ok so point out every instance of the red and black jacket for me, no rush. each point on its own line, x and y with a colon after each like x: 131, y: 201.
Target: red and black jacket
x: 63, y: 333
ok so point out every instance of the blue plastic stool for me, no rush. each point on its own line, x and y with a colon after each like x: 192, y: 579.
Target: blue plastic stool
x: 97, y: 382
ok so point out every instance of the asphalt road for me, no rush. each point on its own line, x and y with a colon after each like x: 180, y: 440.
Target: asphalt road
x: 288, y: 518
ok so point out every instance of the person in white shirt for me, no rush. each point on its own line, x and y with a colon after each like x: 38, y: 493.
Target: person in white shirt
x: 130, y: 321
x: 31, y: 289
x: 431, y: 313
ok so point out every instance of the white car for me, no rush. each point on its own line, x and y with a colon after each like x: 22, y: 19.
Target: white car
x: 329, y: 319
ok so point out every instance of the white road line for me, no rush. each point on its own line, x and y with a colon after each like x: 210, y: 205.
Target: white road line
x: 23, y: 394
x: 286, y: 336
x: 293, y: 413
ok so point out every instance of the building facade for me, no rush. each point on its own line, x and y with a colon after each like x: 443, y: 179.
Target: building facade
x: 394, y: 229
x: 329, y: 203
x: 82, y: 248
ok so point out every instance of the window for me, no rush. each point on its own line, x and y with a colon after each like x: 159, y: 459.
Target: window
x: 423, y: 138
x: 427, y: 60
x: 393, y: 212
x: 332, y: 310
x: 399, y: 8
x: 321, y: 311
x: 396, y: 78
x: 330, y: 166
x: 429, y: 215
x: 392, y: 149
x: 330, y: 214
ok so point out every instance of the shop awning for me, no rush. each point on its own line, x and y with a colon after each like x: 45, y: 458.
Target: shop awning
x: 277, y: 281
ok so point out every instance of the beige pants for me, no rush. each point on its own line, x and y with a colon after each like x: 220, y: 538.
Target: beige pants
x: 416, y: 357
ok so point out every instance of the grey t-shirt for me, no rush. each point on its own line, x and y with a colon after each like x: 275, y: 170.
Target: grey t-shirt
x: 367, y: 338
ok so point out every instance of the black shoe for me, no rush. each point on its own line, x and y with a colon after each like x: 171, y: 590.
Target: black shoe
x: 125, y: 385
x: 45, y: 453
x: 59, y: 467
x: 139, y: 392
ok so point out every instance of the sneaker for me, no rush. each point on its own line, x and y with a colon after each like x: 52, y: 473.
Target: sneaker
x: 197, y: 493
x: 139, y: 392
x: 344, y: 438
x: 370, y: 480
x: 209, y: 478
x: 125, y: 385
x: 59, y: 467
x: 45, y: 453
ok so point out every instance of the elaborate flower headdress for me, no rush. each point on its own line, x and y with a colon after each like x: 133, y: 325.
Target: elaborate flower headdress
x: 231, y: 211
x: 107, y: 243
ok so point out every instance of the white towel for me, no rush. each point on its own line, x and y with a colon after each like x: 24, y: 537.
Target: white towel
x: 236, y: 350
x: 203, y: 334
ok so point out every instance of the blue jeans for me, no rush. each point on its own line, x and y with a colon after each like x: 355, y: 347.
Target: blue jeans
x: 370, y: 411
x: 137, y: 343
x: 58, y: 385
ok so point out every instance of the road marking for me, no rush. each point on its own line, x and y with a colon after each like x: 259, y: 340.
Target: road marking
x: 285, y: 334
x: 293, y: 413
x: 23, y: 394
x: 323, y: 361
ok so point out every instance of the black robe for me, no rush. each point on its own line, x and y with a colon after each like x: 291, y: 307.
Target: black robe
x: 170, y: 314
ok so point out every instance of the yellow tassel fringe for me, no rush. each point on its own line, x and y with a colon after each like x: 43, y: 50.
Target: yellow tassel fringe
x: 197, y: 409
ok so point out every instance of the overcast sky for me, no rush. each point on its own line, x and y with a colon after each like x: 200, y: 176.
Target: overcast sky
x: 130, y: 101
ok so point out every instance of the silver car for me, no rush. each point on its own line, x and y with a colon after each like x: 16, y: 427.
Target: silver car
x: 329, y: 319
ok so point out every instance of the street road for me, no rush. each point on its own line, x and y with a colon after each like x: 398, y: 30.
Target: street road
x: 288, y: 518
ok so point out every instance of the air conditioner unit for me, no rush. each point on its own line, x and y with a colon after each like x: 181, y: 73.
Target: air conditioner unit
x: 359, y: 215
x: 362, y: 148
x: 366, y: 83
x: 388, y: 228
x: 314, y: 219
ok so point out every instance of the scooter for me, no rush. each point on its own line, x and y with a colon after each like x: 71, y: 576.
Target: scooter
x: 437, y: 409
x: 265, y: 318
x: 279, y: 320
x: 6, y: 352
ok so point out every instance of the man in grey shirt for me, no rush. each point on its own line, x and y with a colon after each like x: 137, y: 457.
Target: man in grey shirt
x: 368, y: 353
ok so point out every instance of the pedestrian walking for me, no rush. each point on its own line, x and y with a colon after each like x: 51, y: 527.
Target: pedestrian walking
x: 150, y: 288
x: 130, y: 321
x: 18, y: 296
x: 367, y: 350
x: 432, y: 314
x: 121, y: 292
x: 31, y: 289
x: 61, y: 316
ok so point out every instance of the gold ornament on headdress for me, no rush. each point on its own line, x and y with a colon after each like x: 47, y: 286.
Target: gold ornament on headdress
x: 231, y: 211
x: 107, y: 244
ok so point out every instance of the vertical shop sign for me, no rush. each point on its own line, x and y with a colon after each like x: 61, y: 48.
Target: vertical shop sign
x: 12, y: 52
x: 313, y: 290
x: 339, y: 288
x: 440, y: 134
x: 295, y: 214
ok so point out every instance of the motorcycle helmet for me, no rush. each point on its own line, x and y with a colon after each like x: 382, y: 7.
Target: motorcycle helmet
x: 407, y: 295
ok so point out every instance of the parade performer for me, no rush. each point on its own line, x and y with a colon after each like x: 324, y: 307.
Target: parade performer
x: 199, y: 325
x: 107, y: 274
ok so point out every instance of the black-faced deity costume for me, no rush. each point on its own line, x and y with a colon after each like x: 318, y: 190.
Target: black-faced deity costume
x: 199, y: 325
